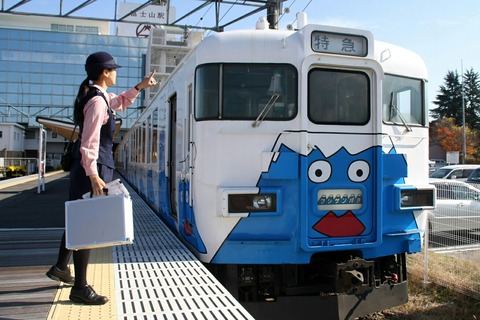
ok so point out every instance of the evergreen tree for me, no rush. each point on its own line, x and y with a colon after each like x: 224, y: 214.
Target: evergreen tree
x: 472, y: 99
x: 449, y: 100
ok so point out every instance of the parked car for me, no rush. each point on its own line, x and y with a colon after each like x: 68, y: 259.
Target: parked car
x: 435, y: 164
x: 474, y: 178
x: 456, y: 171
x: 457, y: 206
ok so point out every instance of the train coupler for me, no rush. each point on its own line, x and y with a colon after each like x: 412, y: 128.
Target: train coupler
x: 355, y: 276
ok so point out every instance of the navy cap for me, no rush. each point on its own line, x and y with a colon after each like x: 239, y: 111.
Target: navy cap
x: 99, y: 61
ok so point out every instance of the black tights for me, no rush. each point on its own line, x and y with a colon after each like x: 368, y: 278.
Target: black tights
x: 80, y: 261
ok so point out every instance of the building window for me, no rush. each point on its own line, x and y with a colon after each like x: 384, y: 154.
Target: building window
x: 62, y: 27
x: 1, y: 134
x: 86, y: 29
x: 30, y: 134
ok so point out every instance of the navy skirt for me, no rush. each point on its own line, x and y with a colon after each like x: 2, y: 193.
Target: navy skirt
x: 79, y: 181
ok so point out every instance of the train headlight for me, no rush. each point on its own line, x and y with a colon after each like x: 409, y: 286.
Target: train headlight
x: 240, y: 202
x: 263, y: 202
x: 251, y: 202
x: 411, y: 198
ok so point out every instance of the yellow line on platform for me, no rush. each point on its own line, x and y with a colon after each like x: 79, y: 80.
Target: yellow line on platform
x: 102, y: 278
x: 14, y: 181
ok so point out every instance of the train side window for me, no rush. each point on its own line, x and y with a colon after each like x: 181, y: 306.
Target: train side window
x: 155, y: 135
x: 207, y: 86
x: 403, y: 101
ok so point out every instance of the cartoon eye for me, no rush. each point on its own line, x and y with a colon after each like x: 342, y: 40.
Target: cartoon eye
x: 319, y: 171
x: 358, y: 171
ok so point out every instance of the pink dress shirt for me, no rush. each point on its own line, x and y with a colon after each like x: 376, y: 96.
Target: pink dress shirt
x: 96, y: 114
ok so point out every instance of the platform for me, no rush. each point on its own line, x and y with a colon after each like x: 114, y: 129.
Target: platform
x: 156, y: 277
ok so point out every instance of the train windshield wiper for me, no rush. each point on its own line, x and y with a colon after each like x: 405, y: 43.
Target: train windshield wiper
x: 397, y: 113
x: 265, y: 110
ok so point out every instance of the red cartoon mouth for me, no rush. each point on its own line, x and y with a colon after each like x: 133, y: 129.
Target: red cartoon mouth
x: 344, y: 226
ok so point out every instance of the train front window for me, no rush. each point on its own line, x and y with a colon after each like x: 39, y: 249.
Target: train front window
x: 403, y: 101
x: 338, y: 97
x: 246, y: 92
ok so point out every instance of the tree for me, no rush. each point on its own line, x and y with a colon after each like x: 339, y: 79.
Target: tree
x: 472, y: 99
x: 449, y: 101
x: 450, y: 137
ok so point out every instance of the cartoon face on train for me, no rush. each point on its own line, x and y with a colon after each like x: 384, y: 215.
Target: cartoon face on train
x: 341, y: 185
x: 336, y: 192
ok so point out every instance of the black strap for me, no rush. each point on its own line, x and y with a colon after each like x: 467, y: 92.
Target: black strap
x: 70, y: 141
x: 96, y: 92
x: 73, y: 132
x: 92, y: 92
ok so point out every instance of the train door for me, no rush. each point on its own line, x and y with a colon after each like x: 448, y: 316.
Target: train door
x: 188, y: 143
x: 343, y: 165
x: 172, y: 167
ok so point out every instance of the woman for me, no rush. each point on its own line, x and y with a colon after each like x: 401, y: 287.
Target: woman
x: 93, y: 158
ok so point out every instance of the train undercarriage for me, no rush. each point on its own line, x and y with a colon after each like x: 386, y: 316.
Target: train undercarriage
x: 333, y: 286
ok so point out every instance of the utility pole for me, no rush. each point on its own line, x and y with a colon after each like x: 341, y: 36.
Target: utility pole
x: 464, y: 135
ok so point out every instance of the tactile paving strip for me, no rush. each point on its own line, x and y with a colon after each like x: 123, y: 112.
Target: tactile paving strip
x: 154, y: 278
x: 158, y: 278
x: 101, y: 276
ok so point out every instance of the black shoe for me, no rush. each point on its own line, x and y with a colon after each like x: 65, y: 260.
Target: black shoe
x: 60, y: 275
x: 87, y: 295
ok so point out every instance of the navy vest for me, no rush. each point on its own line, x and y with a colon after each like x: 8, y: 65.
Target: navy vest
x: 105, y: 152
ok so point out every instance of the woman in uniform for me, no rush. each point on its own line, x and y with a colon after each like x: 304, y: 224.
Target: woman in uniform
x: 93, y: 158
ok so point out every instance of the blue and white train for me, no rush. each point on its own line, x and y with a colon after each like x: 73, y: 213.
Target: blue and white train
x: 294, y: 164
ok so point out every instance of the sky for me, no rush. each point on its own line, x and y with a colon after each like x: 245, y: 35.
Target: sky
x: 443, y: 32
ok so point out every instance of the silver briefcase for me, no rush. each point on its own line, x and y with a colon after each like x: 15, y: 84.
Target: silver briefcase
x: 99, y: 222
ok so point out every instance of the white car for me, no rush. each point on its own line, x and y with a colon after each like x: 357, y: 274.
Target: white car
x: 454, y: 172
x: 457, y: 206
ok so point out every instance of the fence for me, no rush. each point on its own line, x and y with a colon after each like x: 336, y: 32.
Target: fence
x: 453, y: 240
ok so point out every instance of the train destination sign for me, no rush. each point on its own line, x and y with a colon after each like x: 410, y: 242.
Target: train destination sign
x: 337, y: 43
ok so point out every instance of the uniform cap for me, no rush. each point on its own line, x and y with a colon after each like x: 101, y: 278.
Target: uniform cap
x: 99, y: 61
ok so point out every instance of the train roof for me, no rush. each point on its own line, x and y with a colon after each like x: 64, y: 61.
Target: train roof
x: 261, y: 43
x: 398, y: 60
x: 231, y: 46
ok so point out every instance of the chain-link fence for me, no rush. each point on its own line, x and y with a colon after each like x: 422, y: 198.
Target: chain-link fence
x: 453, y: 240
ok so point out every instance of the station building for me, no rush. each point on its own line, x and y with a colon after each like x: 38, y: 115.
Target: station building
x: 42, y: 65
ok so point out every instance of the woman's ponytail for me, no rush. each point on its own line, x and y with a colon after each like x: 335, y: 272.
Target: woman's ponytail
x: 79, y: 101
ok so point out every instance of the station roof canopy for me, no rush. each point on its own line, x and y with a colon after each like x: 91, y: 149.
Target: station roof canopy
x: 65, y: 129
x: 80, y: 9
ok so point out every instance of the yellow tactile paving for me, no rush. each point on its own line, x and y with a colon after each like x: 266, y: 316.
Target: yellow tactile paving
x: 101, y: 277
x: 15, y: 181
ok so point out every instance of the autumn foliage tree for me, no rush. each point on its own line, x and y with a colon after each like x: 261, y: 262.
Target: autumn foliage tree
x: 450, y: 137
x: 458, y: 102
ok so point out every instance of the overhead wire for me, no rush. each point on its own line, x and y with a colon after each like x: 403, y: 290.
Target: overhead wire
x: 173, y: 59
x: 189, y: 30
x: 229, y: 9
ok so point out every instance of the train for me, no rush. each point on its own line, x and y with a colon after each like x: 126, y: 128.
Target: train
x: 293, y: 164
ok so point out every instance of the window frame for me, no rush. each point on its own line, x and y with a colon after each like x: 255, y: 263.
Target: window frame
x: 220, y: 114
x: 337, y: 95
